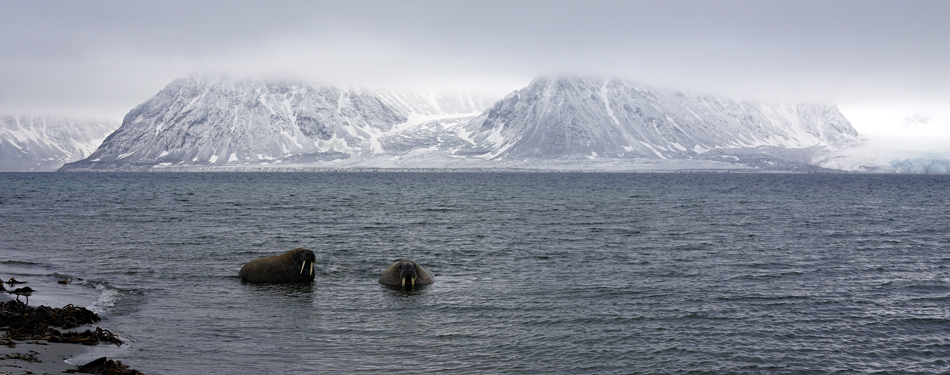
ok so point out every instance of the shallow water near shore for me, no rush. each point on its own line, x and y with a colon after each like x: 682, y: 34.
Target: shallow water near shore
x: 535, y: 272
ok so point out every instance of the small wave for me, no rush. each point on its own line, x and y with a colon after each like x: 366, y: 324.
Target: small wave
x: 21, y: 262
x: 762, y: 297
x: 944, y: 298
x: 439, y: 209
x: 23, y: 268
x: 108, y: 297
x: 106, y: 300
x: 759, y: 276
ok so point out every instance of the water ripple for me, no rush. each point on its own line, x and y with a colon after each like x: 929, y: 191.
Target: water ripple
x: 536, y: 273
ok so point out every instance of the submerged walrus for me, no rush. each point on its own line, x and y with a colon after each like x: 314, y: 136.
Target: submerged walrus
x: 293, y: 266
x: 405, y: 274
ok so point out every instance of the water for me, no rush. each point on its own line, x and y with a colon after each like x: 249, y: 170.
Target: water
x: 535, y: 273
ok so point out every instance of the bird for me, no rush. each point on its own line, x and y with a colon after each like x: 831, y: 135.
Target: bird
x: 24, y: 291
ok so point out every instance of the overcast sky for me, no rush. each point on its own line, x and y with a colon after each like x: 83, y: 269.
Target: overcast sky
x: 885, y: 63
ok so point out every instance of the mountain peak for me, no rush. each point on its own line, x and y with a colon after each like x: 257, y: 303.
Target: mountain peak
x: 565, y: 116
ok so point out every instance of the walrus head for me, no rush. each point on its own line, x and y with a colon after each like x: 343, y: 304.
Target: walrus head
x: 405, y: 275
x: 305, y: 258
x: 407, y: 272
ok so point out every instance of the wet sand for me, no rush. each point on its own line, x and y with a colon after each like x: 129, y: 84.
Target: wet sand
x: 39, y: 357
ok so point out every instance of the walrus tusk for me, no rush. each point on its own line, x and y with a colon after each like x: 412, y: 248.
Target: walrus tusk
x: 311, y: 268
x: 412, y: 282
x: 403, y: 282
x: 302, y: 266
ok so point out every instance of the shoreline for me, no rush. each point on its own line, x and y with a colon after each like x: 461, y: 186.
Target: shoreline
x: 43, y: 357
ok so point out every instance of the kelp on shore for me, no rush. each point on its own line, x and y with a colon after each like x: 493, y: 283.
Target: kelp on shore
x: 22, y: 323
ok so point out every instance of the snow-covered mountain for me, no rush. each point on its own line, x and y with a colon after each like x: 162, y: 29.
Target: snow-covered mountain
x: 214, y: 121
x: 36, y: 143
x: 553, y: 123
x: 566, y: 117
x: 204, y: 120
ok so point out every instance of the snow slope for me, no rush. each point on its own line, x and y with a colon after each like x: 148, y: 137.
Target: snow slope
x: 33, y: 143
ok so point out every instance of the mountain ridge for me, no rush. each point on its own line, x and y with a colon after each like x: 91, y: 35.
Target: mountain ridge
x: 202, y: 122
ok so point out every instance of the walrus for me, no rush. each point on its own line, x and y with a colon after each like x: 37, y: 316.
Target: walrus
x: 291, y: 267
x: 405, y: 274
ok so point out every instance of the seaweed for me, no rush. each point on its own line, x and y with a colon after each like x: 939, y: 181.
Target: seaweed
x: 28, y: 357
x: 106, y: 366
x: 23, y: 322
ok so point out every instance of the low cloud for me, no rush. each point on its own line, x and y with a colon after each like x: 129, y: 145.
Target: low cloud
x: 105, y: 57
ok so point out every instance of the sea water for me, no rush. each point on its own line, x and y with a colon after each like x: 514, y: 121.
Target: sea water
x: 535, y: 272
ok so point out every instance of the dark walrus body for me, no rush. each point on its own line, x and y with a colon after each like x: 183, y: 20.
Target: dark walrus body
x: 291, y: 267
x: 405, y: 274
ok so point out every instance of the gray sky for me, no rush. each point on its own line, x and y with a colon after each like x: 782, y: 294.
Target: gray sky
x: 882, y: 62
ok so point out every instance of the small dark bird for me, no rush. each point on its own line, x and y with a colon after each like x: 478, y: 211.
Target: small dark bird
x: 13, y: 282
x: 24, y: 291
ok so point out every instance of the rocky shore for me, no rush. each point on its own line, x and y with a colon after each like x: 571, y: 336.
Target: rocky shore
x: 40, y: 339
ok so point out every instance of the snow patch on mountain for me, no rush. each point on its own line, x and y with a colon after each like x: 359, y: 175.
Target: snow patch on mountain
x: 39, y: 143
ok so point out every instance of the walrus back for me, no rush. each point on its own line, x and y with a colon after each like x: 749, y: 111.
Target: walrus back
x: 264, y: 270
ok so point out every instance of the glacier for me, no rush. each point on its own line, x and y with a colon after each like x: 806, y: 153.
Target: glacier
x: 558, y: 123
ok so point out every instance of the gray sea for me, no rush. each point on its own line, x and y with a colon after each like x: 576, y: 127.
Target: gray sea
x: 536, y: 273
